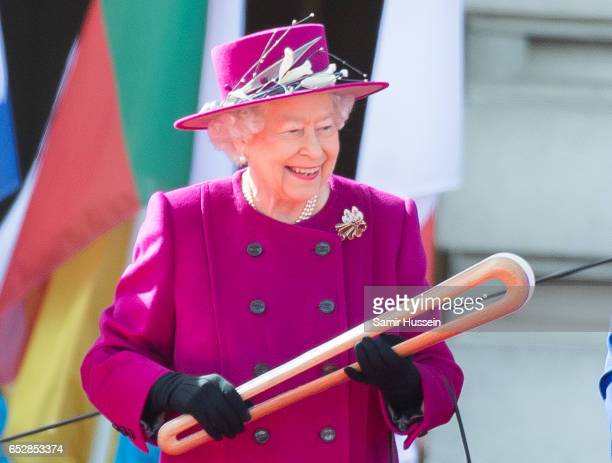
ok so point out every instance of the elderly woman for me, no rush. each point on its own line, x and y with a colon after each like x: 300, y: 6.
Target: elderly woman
x: 233, y: 277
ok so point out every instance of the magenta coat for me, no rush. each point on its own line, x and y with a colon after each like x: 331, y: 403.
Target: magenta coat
x: 215, y: 286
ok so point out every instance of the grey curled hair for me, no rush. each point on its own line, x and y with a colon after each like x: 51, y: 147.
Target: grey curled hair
x: 229, y: 126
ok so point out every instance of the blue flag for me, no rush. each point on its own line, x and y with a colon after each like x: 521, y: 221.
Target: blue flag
x: 605, y: 387
x: 3, y: 415
x: 128, y: 453
x: 9, y: 170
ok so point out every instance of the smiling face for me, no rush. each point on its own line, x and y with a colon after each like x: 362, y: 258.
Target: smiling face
x: 292, y: 158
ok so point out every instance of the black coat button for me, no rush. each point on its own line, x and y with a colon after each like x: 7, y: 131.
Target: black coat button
x: 261, y: 436
x: 327, y: 306
x: 328, y: 434
x: 254, y: 249
x: 322, y: 249
x: 328, y: 368
x: 260, y: 368
x: 257, y: 306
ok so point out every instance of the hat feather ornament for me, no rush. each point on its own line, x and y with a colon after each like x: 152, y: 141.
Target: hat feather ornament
x: 294, y: 60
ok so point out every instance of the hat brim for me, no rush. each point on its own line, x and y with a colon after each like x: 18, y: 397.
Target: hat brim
x: 200, y: 121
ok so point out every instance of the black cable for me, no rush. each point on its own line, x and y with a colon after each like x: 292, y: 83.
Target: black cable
x: 564, y: 273
x: 57, y: 424
x: 549, y: 277
x: 451, y: 392
x: 559, y: 274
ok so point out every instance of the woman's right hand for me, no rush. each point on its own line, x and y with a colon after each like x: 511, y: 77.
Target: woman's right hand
x: 210, y: 399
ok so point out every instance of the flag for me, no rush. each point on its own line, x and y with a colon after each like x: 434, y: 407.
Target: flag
x: 9, y: 169
x: 110, y: 142
x: 412, y: 139
x: 426, y: 207
x: 129, y: 453
x: 48, y: 385
x: 16, y: 324
x: 3, y: 414
x: 17, y: 320
x: 225, y: 22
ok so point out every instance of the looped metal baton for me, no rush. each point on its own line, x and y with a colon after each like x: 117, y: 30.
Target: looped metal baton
x: 513, y: 271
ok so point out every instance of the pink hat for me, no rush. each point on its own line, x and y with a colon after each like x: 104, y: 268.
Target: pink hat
x: 274, y: 64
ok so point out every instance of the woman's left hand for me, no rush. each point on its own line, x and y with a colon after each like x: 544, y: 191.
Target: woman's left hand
x: 396, y: 376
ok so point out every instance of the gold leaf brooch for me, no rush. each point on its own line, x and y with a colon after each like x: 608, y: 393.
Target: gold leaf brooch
x: 352, y: 225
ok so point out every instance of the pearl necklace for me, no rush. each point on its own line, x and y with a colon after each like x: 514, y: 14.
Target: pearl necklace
x: 309, y: 207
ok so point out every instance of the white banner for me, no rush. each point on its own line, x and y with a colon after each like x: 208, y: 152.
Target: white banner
x: 412, y: 139
x: 225, y: 22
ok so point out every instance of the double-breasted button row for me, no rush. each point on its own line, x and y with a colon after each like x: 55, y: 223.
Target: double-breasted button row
x: 322, y: 248
x: 262, y: 435
x: 262, y: 367
x: 257, y: 306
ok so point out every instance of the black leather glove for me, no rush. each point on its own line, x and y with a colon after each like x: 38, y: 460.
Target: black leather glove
x: 396, y: 376
x: 210, y: 399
